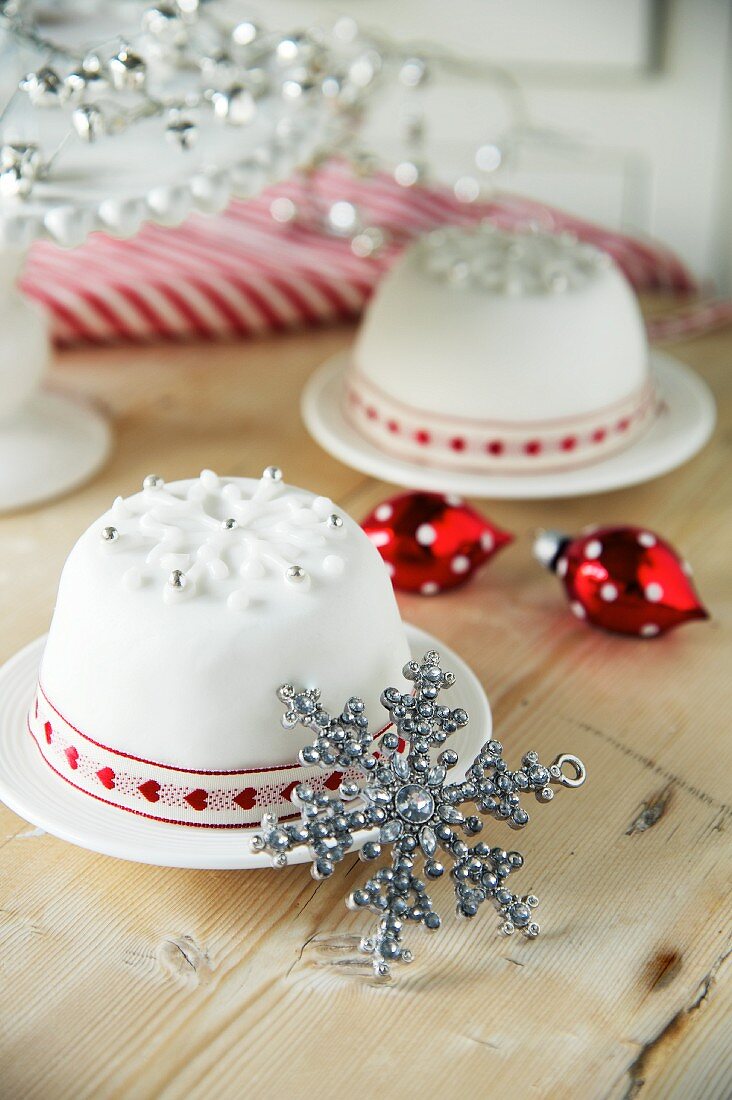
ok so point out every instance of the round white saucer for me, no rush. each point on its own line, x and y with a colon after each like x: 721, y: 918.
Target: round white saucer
x: 680, y: 430
x: 30, y: 788
x: 54, y: 445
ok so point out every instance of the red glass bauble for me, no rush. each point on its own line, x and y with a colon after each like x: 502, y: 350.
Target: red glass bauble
x: 431, y: 542
x: 624, y: 579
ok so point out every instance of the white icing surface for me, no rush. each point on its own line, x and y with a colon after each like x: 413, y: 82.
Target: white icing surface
x: 463, y: 348
x: 187, y: 675
x: 214, y: 535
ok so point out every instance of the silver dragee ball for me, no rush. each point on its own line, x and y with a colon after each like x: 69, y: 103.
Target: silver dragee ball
x: 272, y: 473
x: 244, y: 34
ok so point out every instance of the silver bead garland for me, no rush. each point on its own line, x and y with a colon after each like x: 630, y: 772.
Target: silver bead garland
x: 186, y: 64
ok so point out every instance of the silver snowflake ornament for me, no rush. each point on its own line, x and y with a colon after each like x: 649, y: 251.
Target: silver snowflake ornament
x: 407, y: 802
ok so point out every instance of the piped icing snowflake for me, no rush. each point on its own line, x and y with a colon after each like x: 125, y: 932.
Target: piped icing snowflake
x: 414, y: 808
x: 209, y: 535
x: 521, y: 262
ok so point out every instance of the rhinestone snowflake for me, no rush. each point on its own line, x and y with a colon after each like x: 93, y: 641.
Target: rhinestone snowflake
x: 408, y: 802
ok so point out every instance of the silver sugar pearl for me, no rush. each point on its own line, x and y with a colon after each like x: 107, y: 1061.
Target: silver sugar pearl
x: 368, y: 242
x: 229, y: 524
x: 244, y: 33
x: 343, y: 217
x: 272, y: 473
x: 407, y: 173
x: 290, y: 49
x: 152, y: 481
x: 110, y: 534
x: 283, y: 210
x: 413, y: 72
x: 335, y: 521
x: 295, y: 574
x: 177, y: 579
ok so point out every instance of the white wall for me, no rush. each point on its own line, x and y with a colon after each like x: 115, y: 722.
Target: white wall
x: 655, y: 140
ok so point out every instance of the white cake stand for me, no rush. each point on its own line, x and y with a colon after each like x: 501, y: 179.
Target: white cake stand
x: 30, y: 788
x: 682, y: 427
x: 50, y: 443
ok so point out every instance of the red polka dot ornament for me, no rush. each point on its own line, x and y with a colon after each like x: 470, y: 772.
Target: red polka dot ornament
x: 430, y: 542
x: 627, y: 580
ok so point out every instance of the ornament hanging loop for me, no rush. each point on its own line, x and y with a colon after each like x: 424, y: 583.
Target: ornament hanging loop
x: 580, y: 771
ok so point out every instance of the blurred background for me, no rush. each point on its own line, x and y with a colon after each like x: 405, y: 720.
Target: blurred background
x: 616, y: 110
x: 610, y: 119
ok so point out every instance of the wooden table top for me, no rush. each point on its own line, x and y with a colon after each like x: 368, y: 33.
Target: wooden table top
x: 123, y: 980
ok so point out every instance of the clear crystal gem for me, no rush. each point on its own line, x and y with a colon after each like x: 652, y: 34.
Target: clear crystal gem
x: 401, y: 767
x: 414, y: 803
x: 391, y: 831
x: 428, y: 841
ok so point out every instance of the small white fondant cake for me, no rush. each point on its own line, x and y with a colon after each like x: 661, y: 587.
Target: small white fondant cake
x: 501, y: 352
x: 179, y: 614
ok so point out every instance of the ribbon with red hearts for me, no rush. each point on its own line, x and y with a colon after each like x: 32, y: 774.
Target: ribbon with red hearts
x: 180, y: 796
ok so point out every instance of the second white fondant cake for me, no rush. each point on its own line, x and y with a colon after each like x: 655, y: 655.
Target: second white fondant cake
x: 179, y: 614
x: 501, y: 352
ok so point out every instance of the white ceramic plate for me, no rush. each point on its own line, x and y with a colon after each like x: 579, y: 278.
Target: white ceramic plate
x: 30, y: 788
x: 53, y: 446
x: 681, y: 429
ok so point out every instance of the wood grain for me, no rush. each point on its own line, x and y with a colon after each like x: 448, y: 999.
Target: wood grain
x: 121, y: 980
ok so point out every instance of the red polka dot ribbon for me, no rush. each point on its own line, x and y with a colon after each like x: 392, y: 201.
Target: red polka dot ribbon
x: 494, y: 446
x: 179, y: 796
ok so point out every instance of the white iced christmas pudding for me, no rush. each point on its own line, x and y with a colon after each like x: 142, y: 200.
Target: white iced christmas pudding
x: 501, y: 352
x: 179, y: 614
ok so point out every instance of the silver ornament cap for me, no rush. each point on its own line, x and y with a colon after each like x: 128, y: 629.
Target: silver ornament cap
x: 548, y: 545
